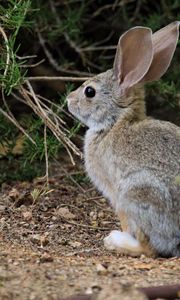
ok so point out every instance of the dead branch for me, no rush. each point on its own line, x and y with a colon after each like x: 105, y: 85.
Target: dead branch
x: 7, y: 50
x: 9, y: 114
x: 44, y: 70
x: 71, y: 177
x: 111, y: 6
x: 46, y: 155
x: 162, y: 292
x: 170, y: 292
x: 61, y: 78
x: 33, y: 65
x: 12, y: 119
x: 71, y: 43
x: 53, y: 62
x: 58, y: 107
x: 100, y: 48
x: 33, y: 101
x: 103, y: 40
x: 26, y: 56
x: 86, y: 225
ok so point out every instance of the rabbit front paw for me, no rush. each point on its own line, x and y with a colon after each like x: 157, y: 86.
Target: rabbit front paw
x: 122, y: 242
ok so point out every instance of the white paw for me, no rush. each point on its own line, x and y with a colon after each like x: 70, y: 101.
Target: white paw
x: 121, y: 241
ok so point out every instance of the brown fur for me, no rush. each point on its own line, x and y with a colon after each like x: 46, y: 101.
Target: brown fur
x: 131, y: 158
x: 145, y: 246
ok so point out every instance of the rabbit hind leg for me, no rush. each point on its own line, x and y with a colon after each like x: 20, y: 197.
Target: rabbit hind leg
x: 146, y: 248
x: 125, y: 243
x: 122, y: 242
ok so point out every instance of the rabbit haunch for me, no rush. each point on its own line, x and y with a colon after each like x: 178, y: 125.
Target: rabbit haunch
x: 133, y: 159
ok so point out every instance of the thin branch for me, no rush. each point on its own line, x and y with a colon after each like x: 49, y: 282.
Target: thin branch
x: 71, y: 43
x: 46, y: 155
x: 136, y: 12
x: 11, y: 118
x: 59, y: 107
x: 104, y: 40
x: 26, y: 57
x: 162, y: 292
x: 61, y: 78
x: 100, y: 48
x: 81, y: 251
x: 51, y: 59
x: 9, y: 114
x: 33, y: 65
x: 48, y: 110
x: 5, y: 114
x: 71, y: 177
x: 86, y: 225
x: 7, y: 50
x: 110, y: 6
x: 33, y: 101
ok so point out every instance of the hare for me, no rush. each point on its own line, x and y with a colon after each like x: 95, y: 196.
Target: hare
x: 134, y: 160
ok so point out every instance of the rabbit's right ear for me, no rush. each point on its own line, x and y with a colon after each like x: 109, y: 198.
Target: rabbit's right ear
x: 133, y: 57
x: 164, y: 44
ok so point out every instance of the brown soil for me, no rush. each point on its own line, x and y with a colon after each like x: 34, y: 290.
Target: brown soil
x: 51, y: 245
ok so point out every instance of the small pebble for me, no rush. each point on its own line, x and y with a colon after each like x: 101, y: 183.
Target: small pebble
x: 101, y: 270
x: 46, y: 257
x: 27, y: 215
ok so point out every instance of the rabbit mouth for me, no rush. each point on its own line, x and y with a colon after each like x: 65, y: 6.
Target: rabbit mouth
x: 75, y: 111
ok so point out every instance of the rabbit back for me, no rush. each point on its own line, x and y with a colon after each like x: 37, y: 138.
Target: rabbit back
x: 136, y: 166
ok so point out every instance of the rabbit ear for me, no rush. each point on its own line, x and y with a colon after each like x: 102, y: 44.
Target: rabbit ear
x: 164, y: 45
x: 133, y: 56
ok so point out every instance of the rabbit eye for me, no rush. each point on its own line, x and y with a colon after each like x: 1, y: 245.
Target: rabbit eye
x: 90, y: 92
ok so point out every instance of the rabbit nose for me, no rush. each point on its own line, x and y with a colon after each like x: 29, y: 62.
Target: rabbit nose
x: 68, y: 100
x: 71, y: 102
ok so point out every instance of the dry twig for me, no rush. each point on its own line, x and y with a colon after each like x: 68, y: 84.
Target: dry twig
x: 111, y: 6
x: 52, y: 120
x: 86, y: 225
x: 61, y: 78
x: 71, y: 43
x: 9, y: 114
x: 33, y: 101
x: 53, y: 62
x: 33, y: 65
x: 100, y: 48
x: 46, y: 155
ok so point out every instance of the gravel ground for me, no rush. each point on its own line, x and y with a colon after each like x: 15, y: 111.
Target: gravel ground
x: 51, y: 242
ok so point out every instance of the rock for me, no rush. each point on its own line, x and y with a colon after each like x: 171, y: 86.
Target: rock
x: 93, y: 215
x: 40, y: 240
x: 46, y: 257
x: 14, y: 194
x: 44, y: 240
x: 75, y: 244
x: 27, y: 215
x: 65, y: 213
x: 36, y: 239
x: 101, y: 270
x: 2, y: 208
x: 101, y: 215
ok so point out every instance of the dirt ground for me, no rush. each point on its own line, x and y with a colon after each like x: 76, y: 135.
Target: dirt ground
x: 51, y: 241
